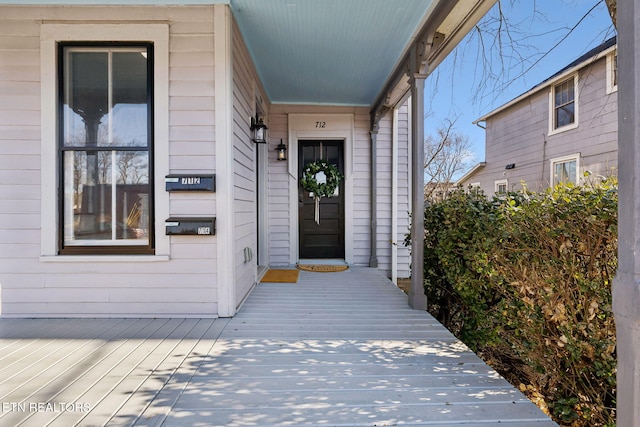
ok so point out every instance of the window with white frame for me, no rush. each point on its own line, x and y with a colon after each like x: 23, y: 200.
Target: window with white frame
x: 105, y: 147
x: 564, y: 111
x: 565, y: 170
x: 612, y: 72
x: 501, y: 186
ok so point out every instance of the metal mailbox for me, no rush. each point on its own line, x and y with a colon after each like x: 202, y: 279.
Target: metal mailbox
x: 190, y: 226
x: 177, y: 182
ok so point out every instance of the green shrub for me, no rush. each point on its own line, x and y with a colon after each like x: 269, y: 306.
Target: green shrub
x: 526, y: 280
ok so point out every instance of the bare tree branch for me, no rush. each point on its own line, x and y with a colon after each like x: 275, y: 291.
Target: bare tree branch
x: 447, y: 154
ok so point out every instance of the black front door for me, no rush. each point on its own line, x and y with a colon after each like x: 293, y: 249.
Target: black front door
x: 324, y: 240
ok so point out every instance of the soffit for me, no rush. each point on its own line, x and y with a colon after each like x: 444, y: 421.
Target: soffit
x: 327, y: 52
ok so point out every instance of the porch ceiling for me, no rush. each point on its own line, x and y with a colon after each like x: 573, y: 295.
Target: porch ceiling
x: 330, y: 51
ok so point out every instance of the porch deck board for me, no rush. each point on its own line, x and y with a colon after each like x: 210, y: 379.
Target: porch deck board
x: 334, y: 349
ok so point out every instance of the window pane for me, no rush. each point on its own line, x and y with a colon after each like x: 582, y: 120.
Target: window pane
x: 558, y: 96
x: 565, y: 115
x: 85, y: 97
x: 96, y: 209
x: 87, y: 194
x: 570, y: 90
x: 128, y: 113
x: 132, y: 195
x: 564, y: 172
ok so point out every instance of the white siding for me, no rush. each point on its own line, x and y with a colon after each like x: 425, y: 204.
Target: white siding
x: 280, y: 224
x: 184, y: 285
x: 362, y: 191
x: 404, y: 196
x: 245, y: 84
x: 384, y: 196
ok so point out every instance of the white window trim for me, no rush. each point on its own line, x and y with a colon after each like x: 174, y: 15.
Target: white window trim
x: 563, y: 159
x: 610, y: 63
x: 576, y: 99
x: 500, y: 182
x: 50, y: 35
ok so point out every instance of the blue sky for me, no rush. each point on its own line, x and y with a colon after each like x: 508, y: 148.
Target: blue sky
x: 455, y: 90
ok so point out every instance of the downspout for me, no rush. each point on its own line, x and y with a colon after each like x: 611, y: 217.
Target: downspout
x: 373, y: 260
x: 394, y: 198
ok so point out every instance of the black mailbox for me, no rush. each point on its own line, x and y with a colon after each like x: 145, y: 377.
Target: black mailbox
x: 190, y: 226
x: 190, y: 183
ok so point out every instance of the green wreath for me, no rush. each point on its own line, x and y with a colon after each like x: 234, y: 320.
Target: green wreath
x: 310, y: 182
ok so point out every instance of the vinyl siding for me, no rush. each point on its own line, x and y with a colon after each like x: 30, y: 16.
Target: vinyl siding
x: 362, y: 191
x: 386, y: 236
x: 383, y: 200
x: 404, y: 197
x: 184, y: 285
x: 245, y: 170
x: 280, y: 223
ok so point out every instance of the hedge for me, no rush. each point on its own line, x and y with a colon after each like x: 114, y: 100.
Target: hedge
x: 525, y: 280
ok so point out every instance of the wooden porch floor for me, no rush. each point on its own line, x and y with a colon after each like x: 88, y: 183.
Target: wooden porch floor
x: 335, y: 349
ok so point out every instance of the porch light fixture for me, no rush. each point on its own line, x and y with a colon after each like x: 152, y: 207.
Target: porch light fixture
x: 259, y: 130
x: 282, y: 151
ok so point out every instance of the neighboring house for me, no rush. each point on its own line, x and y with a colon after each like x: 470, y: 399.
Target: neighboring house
x: 437, y: 191
x: 131, y: 184
x: 560, y: 130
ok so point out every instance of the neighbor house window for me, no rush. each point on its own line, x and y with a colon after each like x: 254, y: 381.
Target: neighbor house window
x: 105, y: 148
x: 564, y: 111
x: 564, y: 170
x: 501, y: 186
x: 612, y: 72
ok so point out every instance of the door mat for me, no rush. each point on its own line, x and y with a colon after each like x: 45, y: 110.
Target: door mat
x: 281, y: 276
x: 322, y: 268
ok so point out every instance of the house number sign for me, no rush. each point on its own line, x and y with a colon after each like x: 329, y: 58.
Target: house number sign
x: 190, y: 226
x: 321, y: 125
x: 190, y: 183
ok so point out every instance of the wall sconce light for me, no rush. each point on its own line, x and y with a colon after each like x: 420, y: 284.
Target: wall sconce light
x: 282, y: 151
x: 259, y: 130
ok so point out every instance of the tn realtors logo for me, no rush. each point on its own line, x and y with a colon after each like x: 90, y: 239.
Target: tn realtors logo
x: 45, y: 407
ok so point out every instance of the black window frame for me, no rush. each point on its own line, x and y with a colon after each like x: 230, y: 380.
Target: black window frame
x: 143, y: 249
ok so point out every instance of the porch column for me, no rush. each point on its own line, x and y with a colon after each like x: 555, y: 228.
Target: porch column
x: 626, y: 286
x: 417, y: 298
